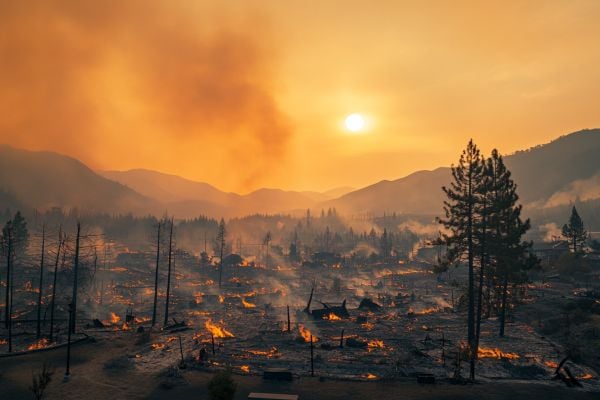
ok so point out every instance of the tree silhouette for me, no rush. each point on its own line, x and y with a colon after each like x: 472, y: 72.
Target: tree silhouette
x: 575, y: 232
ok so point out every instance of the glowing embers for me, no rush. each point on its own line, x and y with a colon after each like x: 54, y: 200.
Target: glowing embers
x: 496, y: 353
x: 157, y: 346
x: 40, y: 344
x: 375, y: 344
x: 423, y: 311
x: 247, y: 304
x: 216, y: 330
x: 306, y: 334
x: 245, y: 368
x: 269, y: 354
x: 331, y: 317
x: 114, y: 318
x: 369, y: 375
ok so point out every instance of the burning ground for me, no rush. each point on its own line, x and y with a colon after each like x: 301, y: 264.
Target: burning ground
x: 413, y: 325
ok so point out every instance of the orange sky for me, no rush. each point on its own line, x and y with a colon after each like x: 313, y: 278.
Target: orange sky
x: 246, y: 94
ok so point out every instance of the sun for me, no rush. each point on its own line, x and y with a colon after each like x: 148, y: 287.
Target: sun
x: 355, y: 122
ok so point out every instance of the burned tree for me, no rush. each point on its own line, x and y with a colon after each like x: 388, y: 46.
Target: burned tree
x: 575, y: 232
x: 15, y: 239
x: 39, y: 303
x: 170, y: 257
x: 156, y: 274
x: 221, y: 237
x: 73, y: 319
x: 60, y: 245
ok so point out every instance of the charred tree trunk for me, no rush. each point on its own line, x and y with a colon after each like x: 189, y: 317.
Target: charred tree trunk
x: 156, y: 275
x: 483, y: 258
x: 39, y: 304
x: 169, y: 274
x: 8, y: 278
x: 471, y: 311
x: 503, y: 309
x: 8, y: 304
x: 73, y: 321
x: 60, y: 244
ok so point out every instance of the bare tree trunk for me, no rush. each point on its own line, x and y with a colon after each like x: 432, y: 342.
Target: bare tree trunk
x: 8, y: 278
x: 9, y: 289
x: 39, y: 305
x: 481, y: 275
x: 60, y: 244
x: 156, y: 275
x: 222, y: 245
x: 471, y: 311
x: 503, y: 310
x: 75, y: 269
x: 169, y: 274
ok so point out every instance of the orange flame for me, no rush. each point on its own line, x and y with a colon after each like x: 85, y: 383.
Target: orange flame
x: 114, y: 318
x: 198, y: 297
x: 495, y: 353
x: 306, y: 334
x: 158, y: 346
x: 245, y: 368
x: 247, y: 304
x: 551, y: 364
x: 424, y: 311
x: 40, y: 344
x: 332, y: 317
x: 217, y: 331
x: 586, y: 376
x: 375, y: 344
x: 269, y: 353
x: 369, y: 375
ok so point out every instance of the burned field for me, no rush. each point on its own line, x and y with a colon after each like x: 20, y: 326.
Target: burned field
x: 400, y: 322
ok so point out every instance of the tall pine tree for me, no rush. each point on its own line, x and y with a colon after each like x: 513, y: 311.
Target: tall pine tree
x: 575, y: 232
x: 462, y: 213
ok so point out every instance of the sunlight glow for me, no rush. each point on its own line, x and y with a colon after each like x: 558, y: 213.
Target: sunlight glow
x: 355, y: 122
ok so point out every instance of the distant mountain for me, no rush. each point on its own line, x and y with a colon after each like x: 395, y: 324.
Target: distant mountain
x: 42, y: 179
x: 540, y: 172
x: 550, y: 175
x: 185, y: 197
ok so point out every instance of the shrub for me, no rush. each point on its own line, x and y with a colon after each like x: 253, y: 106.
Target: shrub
x: 222, y: 386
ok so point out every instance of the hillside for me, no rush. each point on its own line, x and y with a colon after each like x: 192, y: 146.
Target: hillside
x: 540, y: 173
x: 45, y: 179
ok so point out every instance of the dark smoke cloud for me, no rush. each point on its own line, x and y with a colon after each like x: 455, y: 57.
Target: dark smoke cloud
x: 174, y: 86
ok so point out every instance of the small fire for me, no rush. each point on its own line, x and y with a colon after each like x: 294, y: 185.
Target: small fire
x: 40, y: 344
x: 269, y: 353
x: 157, y: 346
x: 332, y: 317
x: 495, y: 353
x: 3, y: 341
x: 217, y: 331
x: 368, y: 326
x: 551, y: 364
x: 375, y: 344
x: 221, y: 298
x: 370, y: 376
x: 142, y: 320
x: 125, y: 327
x: 114, y: 318
x: 247, y: 304
x: 306, y: 334
x: 586, y: 376
x: 423, y: 311
x: 245, y: 368
x: 198, y: 297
